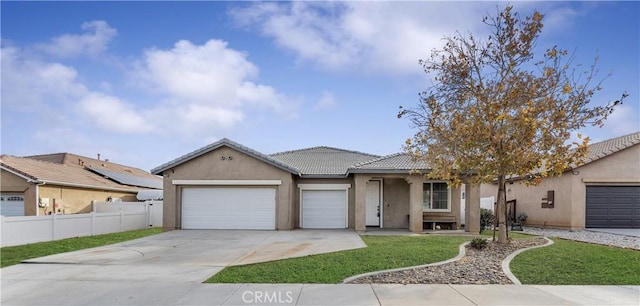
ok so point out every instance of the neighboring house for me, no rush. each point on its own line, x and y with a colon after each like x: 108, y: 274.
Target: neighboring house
x: 604, y: 192
x: 67, y: 182
x: 226, y: 185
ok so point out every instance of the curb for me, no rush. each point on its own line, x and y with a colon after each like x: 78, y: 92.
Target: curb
x: 507, y: 261
x: 461, y: 253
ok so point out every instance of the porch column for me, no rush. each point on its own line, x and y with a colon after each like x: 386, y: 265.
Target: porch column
x: 360, y: 201
x: 472, y: 211
x: 415, y: 202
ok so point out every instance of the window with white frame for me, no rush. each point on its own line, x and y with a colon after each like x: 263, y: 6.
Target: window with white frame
x: 435, y: 196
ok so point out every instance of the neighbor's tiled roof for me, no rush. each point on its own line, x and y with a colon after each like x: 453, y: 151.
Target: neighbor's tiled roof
x: 394, y: 162
x: 220, y: 143
x: 323, y: 161
x: 51, y: 172
x: 83, y: 162
x: 605, y: 148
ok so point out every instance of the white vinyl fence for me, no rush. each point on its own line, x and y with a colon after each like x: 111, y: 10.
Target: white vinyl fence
x: 487, y: 203
x: 30, y: 229
x: 154, y: 209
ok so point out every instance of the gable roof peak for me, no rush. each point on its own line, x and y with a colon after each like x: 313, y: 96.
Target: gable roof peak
x: 228, y: 143
x: 323, y: 149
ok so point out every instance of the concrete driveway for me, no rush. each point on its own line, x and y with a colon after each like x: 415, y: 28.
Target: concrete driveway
x: 155, y: 269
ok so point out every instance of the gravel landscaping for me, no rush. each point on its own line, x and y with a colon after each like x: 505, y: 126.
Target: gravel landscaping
x: 621, y: 241
x: 476, y: 267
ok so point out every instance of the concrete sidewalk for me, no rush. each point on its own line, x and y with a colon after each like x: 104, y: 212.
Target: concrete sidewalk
x: 388, y: 294
x: 167, y: 293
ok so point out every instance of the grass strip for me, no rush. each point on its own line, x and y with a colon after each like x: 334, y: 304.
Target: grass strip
x: 12, y: 255
x: 383, y: 252
x: 569, y: 262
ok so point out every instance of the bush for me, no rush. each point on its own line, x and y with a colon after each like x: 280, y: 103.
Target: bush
x: 486, y: 219
x: 478, y: 243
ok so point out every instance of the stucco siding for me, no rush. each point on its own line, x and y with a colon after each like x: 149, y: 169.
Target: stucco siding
x: 70, y: 200
x: 569, y: 211
x: 240, y: 166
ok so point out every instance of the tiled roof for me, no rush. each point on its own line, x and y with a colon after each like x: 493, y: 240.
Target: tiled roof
x: 84, y: 162
x: 220, y: 143
x: 323, y: 161
x: 51, y: 172
x: 394, y: 162
x: 605, y: 148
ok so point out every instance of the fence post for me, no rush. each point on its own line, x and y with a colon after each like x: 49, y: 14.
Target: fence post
x: 93, y: 205
x: 121, y: 219
x: 93, y: 223
x: 53, y: 226
x: 149, y: 206
x: 2, y: 229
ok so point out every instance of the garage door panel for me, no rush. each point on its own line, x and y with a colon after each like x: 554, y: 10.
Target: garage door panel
x: 324, y: 209
x: 228, y: 208
x: 11, y: 204
x: 613, y: 206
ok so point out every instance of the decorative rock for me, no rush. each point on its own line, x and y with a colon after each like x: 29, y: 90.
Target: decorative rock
x: 476, y: 267
x: 621, y: 241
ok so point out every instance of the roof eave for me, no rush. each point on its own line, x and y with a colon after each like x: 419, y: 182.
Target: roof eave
x: 29, y: 178
x: 224, y: 142
x: 392, y: 171
x: 323, y: 176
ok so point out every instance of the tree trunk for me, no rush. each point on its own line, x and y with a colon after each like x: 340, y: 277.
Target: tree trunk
x: 501, y: 210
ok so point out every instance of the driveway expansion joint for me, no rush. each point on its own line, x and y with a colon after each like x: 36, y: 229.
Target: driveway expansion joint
x: 461, y: 253
x: 507, y: 260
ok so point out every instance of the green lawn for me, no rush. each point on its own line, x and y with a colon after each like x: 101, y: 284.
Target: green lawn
x: 15, y: 254
x: 576, y: 263
x: 383, y: 252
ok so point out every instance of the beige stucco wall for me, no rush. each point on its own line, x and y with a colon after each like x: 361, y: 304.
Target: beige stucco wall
x: 569, y: 211
x: 351, y: 196
x: 210, y: 166
x: 72, y: 200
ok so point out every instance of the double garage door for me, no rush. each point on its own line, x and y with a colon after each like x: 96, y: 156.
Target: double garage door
x: 229, y: 208
x: 613, y: 207
x: 255, y: 208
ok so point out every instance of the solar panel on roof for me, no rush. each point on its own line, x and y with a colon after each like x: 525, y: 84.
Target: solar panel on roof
x: 128, y: 179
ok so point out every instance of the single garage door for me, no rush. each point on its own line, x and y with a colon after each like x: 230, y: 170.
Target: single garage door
x: 324, y: 209
x: 229, y: 208
x: 613, y: 207
x: 11, y: 204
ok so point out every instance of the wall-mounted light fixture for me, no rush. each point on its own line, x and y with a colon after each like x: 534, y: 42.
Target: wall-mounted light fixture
x: 575, y: 172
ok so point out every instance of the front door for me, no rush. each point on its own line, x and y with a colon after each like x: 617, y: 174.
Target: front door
x: 373, y: 203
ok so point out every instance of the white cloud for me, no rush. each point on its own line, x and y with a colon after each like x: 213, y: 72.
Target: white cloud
x: 111, y: 114
x: 378, y: 36
x: 97, y: 35
x: 205, y: 87
x: 326, y: 101
x: 28, y: 84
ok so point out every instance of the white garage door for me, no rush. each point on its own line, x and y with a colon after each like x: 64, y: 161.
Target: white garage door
x: 11, y: 204
x: 324, y: 209
x: 229, y: 208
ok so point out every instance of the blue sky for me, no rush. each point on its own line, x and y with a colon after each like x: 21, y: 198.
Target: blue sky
x: 142, y: 83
